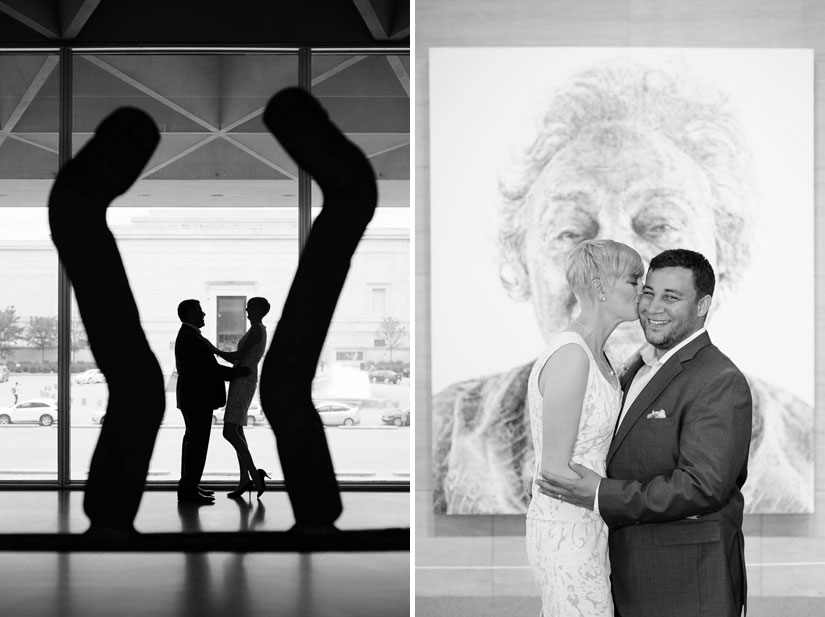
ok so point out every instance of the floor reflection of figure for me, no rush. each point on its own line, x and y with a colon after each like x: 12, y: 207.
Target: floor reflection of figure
x: 348, y: 183
x: 238, y: 596
x: 105, y: 168
x: 197, y: 592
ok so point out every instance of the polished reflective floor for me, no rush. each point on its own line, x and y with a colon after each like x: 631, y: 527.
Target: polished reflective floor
x: 201, y: 584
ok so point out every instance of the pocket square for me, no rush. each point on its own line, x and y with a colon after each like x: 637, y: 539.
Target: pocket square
x: 656, y: 413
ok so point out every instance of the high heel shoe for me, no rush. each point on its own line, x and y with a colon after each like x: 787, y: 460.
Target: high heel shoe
x: 238, y: 492
x: 262, y: 474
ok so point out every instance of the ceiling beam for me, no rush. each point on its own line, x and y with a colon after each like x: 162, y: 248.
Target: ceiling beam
x: 377, y: 15
x: 403, y: 33
x: 178, y: 156
x: 400, y: 72
x: 215, y: 131
x: 262, y: 159
x: 74, y: 14
x: 149, y: 92
x: 317, y: 80
x: 22, y: 139
x: 28, y: 96
x: 400, y: 21
x: 336, y: 69
x: 390, y: 149
x: 39, y: 15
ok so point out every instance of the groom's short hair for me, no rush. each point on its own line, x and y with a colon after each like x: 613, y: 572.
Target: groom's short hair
x: 704, y: 281
x: 185, y: 307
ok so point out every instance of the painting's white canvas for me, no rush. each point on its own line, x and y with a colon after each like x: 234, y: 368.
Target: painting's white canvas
x: 487, y: 106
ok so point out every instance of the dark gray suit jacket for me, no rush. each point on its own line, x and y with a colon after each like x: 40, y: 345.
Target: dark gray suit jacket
x: 200, y: 377
x: 673, y: 498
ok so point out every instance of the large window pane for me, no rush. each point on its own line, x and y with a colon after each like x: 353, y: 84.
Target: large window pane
x: 214, y: 217
x: 366, y: 360
x: 28, y: 263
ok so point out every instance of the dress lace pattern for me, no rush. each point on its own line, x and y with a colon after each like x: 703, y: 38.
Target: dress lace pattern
x: 567, y: 545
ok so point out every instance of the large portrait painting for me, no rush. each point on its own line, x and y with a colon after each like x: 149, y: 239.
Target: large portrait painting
x: 534, y: 150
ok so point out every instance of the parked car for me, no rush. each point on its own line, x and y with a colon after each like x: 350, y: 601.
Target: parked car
x: 99, y: 416
x: 41, y: 411
x: 4, y: 372
x: 93, y: 375
x: 385, y: 376
x: 254, y: 415
x: 335, y: 414
x: 397, y: 418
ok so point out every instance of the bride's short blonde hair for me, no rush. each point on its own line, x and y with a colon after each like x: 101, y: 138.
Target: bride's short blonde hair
x: 606, y: 260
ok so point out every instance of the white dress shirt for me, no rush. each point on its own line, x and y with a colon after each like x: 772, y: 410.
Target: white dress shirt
x: 642, y: 377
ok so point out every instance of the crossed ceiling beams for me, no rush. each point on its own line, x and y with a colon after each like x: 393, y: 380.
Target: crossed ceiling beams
x: 53, y: 19
x: 64, y: 19
x: 214, y: 132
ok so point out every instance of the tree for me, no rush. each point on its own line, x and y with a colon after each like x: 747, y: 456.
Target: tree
x: 10, y: 332
x: 42, y: 333
x: 79, y: 338
x: 392, y: 332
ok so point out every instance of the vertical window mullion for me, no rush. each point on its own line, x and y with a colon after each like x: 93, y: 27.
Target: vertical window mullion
x: 304, y: 180
x: 64, y: 289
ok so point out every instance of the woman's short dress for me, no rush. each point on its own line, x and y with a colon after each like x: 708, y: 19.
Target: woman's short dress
x: 242, y: 389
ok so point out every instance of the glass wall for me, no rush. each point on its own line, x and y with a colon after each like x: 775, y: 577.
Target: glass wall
x: 28, y: 263
x: 216, y: 215
x: 366, y: 360
x: 213, y: 217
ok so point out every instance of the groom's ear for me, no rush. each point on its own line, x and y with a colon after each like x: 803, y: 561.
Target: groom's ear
x: 703, y: 306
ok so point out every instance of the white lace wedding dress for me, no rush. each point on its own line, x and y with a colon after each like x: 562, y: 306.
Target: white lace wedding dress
x: 567, y: 545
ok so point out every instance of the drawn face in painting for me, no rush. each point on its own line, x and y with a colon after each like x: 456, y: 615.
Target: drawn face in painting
x: 618, y: 183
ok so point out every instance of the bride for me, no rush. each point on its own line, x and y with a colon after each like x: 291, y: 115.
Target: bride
x: 250, y: 350
x: 574, y: 399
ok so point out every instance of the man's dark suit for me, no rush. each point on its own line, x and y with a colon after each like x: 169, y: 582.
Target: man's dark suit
x: 662, y: 471
x: 200, y: 390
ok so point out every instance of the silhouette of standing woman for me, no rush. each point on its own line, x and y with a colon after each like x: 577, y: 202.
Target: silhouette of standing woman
x: 250, y: 350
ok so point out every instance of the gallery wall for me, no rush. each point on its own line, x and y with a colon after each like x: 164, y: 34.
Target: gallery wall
x: 478, y: 562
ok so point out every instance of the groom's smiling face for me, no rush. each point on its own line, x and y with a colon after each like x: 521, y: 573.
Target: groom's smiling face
x: 669, y: 309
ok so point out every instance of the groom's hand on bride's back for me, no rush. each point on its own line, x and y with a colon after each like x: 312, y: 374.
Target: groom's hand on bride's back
x: 579, y: 491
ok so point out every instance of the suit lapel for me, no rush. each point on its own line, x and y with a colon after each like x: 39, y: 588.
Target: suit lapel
x: 654, y: 388
x: 627, y: 378
x: 624, y: 382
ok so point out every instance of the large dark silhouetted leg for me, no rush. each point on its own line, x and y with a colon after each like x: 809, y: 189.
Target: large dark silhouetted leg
x: 348, y: 182
x: 105, y: 168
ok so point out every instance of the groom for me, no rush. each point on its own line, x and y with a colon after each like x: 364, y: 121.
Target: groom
x: 199, y: 391
x: 678, y: 459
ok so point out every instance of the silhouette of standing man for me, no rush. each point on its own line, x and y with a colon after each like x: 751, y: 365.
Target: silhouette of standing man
x: 199, y: 391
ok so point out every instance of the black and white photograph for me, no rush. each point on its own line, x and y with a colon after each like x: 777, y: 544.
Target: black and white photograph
x: 617, y: 292
x: 205, y: 308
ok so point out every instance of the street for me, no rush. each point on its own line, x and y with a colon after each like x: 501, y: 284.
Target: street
x: 366, y: 452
